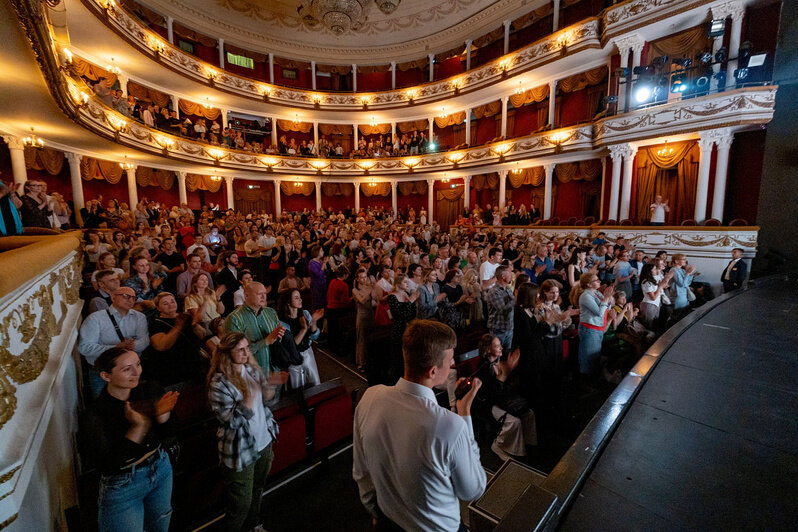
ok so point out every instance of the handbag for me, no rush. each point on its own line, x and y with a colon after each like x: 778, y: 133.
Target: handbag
x: 382, y: 315
x: 284, y: 352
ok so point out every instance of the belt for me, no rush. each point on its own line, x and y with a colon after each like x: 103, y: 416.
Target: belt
x: 152, y: 458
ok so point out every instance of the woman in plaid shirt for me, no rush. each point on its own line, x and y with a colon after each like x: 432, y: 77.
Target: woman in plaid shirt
x: 238, y: 392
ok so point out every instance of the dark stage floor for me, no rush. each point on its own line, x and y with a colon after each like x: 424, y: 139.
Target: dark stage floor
x: 711, y: 441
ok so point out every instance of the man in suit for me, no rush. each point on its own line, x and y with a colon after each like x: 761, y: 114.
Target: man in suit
x: 734, y: 274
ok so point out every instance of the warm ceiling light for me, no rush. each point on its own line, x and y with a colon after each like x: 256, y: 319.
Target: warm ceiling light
x: 295, y: 121
x: 68, y: 56
x: 520, y: 89
x: 665, y: 152
x: 216, y: 178
x: 32, y: 141
x: 297, y: 184
x: 517, y: 170
x: 387, y: 6
x: 373, y: 122
x: 126, y: 165
x: 113, y: 68
x: 207, y: 104
x: 339, y: 16
x: 443, y: 112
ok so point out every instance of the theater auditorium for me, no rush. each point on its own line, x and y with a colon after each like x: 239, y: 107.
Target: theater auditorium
x: 355, y: 265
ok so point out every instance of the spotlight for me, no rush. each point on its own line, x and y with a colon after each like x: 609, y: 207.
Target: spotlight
x: 701, y: 82
x: 721, y: 54
x: 740, y: 73
x: 721, y: 77
x: 641, y: 70
x: 717, y: 27
x: 612, y: 98
x: 660, y: 61
x: 678, y: 83
x: 745, y: 51
x: 704, y: 57
x: 684, y: 62
x: 643, y: 93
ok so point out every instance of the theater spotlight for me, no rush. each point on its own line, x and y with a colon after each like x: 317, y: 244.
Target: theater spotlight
x: 702, y: 82
x: 721, y: 54
x: 704, y: 57
x: 643, y: 93
x: 744, y: 51
x: 684, y: 62
x: 642, y: 70
x: 721, y: 78
x: 660, y: 61
x: 612, y: 98
x: 740, y: 74
x: 678, y: 83
x: 717, y: 27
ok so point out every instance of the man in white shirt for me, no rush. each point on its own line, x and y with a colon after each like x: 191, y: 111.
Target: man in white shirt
x: 658, y: 210
x: 117, y: 326
x: 487, y: 272
x: 413, y: 459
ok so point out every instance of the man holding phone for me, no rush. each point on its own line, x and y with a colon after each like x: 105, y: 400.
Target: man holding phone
x: 413, y: 459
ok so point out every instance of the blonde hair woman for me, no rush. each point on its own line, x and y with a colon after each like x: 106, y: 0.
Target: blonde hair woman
x: 202, y: 303
x: 473, y: 289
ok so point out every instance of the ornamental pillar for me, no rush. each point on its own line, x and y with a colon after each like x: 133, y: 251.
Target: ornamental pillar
x: 505, y: 101
x: 468, y: 126
x: 132, y: 191
x: 467, y: 192
x: 17, y: 149
x: 468, y: 54
x: 507, y: 36
x: 354, y: 77
x: 393, y: 74
x: 394, y: 198
x: 721, y: 166
x: 502, y: 189
x: 278, y: 208
x: 78, y: 202
x: 430, y: 198
x: 736, y: 15
x: 228, y: 180
x: 431, y: 58
x: 617, y: 153
x: 221, y: 53
x: 318, y: 195
x: 552, y: 102
x: 705, y: 143
x: 181, y: 188
x: 357, y: 197
x: 313, y: 75
x: 271, y: 68
x: 170, y: 32
x: 547, y: 202
x: 555, y: 22
x: 626, y: 190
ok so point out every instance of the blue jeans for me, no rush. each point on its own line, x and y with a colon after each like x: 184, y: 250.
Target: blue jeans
x: 138, y: 499
x: 589, y: 349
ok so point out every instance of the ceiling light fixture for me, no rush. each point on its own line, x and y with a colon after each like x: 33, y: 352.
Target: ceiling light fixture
x: 338, y: 16
x: 126, y: 165
x: 32, y: 141
x: 387, y: 6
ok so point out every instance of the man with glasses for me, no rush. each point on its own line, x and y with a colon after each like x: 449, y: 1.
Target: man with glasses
x: 117, y: 326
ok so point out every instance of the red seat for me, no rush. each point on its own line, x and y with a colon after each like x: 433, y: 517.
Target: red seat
x: 332, y: 421
x: 572, y: 220
x: 689, y: 222
x: 627, y: 221
x: 712, y: 222
x: 590, y: 220
x: 291, y: 444
x: 738, y: 221
x: 611, y: 222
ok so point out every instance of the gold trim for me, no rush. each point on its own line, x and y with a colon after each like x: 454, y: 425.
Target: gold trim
x: 8, y: 521
x: 6, y: 477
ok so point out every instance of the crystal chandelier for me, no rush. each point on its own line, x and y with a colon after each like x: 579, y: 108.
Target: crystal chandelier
x: 339, y: 16
x: 387, y: 6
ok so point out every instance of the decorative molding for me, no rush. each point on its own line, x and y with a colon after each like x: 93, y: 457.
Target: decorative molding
x: 627, y: 16
x: 14, y: 142
x: 619, y: 151
x: 753, y: 105
x: 632, y: 41
x: 734, y: 9
x: 565, y: 42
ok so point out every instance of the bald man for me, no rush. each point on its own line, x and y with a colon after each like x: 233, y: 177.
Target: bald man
x: 117, y: 326
x: 258, y: 322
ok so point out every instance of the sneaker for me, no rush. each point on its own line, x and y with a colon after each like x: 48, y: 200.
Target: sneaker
x: 499, y: 452
x: 259, y: 528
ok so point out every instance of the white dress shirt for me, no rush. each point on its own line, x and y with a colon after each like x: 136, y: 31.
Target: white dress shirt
x: 97, y: 334
x: 414, y: 457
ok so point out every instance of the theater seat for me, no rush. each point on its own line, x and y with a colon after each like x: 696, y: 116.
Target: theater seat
x: 329, y: 407
x: 589, y: 220
x: 689, y: 222
x: 627, y: 221
x: 291, y: 444
x: 712, y: 222
x: 611, y: 222
x: 572, y: 220
x: 738, y: 222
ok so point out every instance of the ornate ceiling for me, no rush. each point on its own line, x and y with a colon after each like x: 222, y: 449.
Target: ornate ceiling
x: 415, y: 29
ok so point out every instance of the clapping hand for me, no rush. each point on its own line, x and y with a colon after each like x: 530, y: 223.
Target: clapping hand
x: 317, y: 315
x: 166, y: 403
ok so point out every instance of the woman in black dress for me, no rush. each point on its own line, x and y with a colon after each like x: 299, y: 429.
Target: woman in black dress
x: 402, y: 304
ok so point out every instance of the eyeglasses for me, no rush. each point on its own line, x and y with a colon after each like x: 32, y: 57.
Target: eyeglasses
x: 125, y: 296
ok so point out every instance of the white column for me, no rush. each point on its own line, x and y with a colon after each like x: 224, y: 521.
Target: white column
x: 552, y: 101
x: 467, y: 192
x: 357, y: 196
x: 181, y: 187
x: 626, y: 189
x: 394, y: 198
x: 17, y: 150
x: 313, y: 74
x: 547, y: 191
x: 175, y: 103
x: 505, y: 100
x: 468, y: 54
x: 468, y: 126
x: 430, y: 199
x: 274, y: 131
x: 393, y: 74
x: 431, y: 58
x: 502, y: 189
x: 431, y: 127
x: 354, y: 78
x: 721, y: 166
x: 221, y: 53
x: 354, y: 129
x: 278, y: 206
x: 623, y: 88
x: 228, y: 180
x: 170, y: 32
x: 318, y: 195
x: 705, y: 144
x: 555, y: 15
x: 224, y: 112
x: 637, y: 51
x: 132, y: 191
x: 77, y: 186
x: 393, y: 131
x: 123, y: 79
x: 315, y: 138
x: 616, y: 154
x: 734, y: 40
x: 603, y: 183
x: 271, y: 68
x: 507, y: 36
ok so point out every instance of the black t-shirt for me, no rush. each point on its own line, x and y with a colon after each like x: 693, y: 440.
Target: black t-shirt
x: 180, y: 363
x: 170, y: 261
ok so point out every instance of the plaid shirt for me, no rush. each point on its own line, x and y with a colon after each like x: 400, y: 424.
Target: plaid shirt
x: 237, y: 448
x: 500, y: 308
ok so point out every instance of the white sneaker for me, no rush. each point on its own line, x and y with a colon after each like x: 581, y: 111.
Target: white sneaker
x: 499, y: 452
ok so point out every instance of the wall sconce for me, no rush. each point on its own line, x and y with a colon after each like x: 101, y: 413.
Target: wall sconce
x: 411, y: 95
x: 458, y: 84
x: 157, y: 46
x: 366, y: 166
x: 563, y: 41
x: 501, y: 149
x: 266, y: 92
x: 365, y: 100
x: 557, y: 139
x: 319, y: 165
x: 216, y: 155
x: 32, y: 141
x: 411, y: 163
x: 126, y: 165
x: 212, y: 75
x: 455, y: 158
x: 117, y: 124
x: 504, y: 65
x: 68, y: 58
x: 270, y: 163
x: 108, y: 5
x: 316, y: 101
x: 165, y: 143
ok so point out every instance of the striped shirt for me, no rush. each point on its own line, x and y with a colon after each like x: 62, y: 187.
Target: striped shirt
x: 256, y: 327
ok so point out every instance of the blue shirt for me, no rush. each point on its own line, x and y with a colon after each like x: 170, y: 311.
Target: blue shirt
x: 97, y: 334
